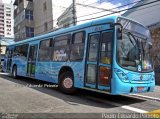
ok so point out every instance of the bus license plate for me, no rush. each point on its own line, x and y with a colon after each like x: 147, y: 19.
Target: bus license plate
x: 140, y: 88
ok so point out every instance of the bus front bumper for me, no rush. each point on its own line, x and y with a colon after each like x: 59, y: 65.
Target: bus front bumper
x: 119, y: 87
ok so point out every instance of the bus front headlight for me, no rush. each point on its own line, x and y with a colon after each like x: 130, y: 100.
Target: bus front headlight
x: 121, y: 75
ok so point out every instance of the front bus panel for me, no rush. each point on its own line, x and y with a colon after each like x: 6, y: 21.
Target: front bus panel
x: 132, y: 64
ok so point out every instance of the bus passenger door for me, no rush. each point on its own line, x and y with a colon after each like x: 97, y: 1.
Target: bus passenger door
x: 98, y: 65
x: 92, y: 61
x: 31, y: 64
x: 9, y: 59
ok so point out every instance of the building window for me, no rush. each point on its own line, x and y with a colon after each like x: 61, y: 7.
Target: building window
x: 29, y: 32
x: 45, y: 26
x: 9, y: 22
x: 8, y: 8
x: 29, y: 14
x: 8, y: 15
x: 8, y: 25
x: 44, y: 6
x: 8, y: 29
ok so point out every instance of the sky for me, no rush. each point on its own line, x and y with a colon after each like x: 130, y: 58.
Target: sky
x: 7, y: 1
x: 114, y: 2
x: 61, y: 6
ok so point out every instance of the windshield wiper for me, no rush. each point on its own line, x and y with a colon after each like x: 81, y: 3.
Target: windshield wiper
x: 128, y: 34
x: 136, y: 44
x: 136, y: 41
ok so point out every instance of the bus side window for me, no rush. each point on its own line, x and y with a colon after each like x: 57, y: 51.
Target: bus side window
x: 77, y: 46
x: 45, y: 50
x: 16, y: 51
x: 24, y: 51
x: 20, y: 51
x: 106, y: 47
x: 61, y: 48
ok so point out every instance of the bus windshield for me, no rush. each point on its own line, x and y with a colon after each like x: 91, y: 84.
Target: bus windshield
x: 133, y: 49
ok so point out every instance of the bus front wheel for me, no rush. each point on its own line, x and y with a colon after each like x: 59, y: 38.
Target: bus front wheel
x: 14, y: 72
x: 66, y: 83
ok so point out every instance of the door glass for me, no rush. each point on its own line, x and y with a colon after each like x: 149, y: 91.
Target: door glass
x: 91, y: 74
x: 105, y: 58
x: 32, y: 59
x: 92, y: 57
x: 106, y: 48
x: 93, y: 48
x: 32, y: 53
x: 105, y: 75
x: 9, y: 61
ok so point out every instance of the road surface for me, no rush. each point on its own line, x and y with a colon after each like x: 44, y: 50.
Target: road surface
x: 26, y: 95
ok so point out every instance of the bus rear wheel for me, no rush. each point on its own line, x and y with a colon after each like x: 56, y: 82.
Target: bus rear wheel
x: 66, y: 83
x: 14, y: 72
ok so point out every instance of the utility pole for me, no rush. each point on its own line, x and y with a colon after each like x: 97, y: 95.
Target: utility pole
x: 74, y: 13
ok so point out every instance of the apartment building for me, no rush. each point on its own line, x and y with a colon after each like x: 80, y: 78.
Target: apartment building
x: 6, y: 26
x: 43, y: 16
x: 23, y: 19
x: 36, y: 17
x: 6, y: 20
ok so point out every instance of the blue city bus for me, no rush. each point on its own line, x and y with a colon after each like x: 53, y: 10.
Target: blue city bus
x: 108, y: 55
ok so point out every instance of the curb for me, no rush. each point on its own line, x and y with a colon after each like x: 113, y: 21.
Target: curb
x: 146, y: 97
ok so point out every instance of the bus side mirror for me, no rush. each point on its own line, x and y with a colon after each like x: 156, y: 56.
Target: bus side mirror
x: 119, y: 33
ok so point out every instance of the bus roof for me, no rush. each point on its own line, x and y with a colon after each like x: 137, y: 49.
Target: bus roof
x: 69, y: 29
x: 72, y: 28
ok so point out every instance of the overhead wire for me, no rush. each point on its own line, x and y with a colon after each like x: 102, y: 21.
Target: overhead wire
x: 145, y: 4
x: 110, y: 9
x: 120, y: 10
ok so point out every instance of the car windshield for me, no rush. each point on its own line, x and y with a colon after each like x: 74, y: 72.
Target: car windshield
x: 133, y: 53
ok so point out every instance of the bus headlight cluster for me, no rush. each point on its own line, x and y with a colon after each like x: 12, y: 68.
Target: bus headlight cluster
x: 121, y: 75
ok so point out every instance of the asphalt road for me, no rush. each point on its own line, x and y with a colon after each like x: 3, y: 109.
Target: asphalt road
x: 26, y: 95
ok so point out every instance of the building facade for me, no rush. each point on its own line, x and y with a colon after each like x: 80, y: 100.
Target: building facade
x: 36, y: 17
x: 23, y: 19
x: 6, y: 26
x: 6, y: 20
x: 43, y: 16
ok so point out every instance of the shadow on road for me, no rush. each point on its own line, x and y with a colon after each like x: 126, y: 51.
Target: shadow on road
x: 81, y: 97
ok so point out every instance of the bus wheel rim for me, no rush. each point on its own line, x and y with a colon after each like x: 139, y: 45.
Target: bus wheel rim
x: 68, y: 83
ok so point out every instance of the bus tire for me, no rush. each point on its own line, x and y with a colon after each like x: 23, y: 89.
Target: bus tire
x: 14, y: 72
x: 66, y: 83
